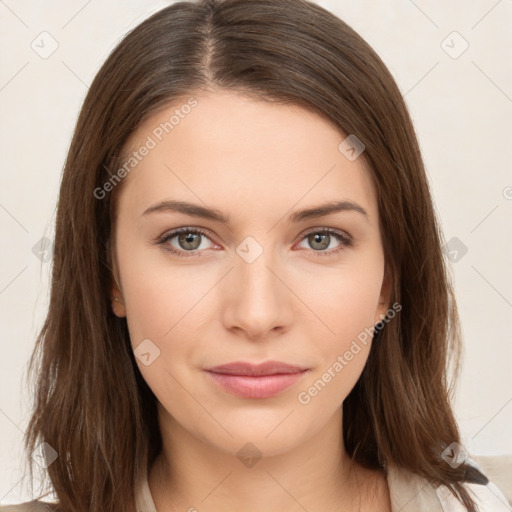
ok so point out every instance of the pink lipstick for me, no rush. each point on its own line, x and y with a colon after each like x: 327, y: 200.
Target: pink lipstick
x: 262, y: 380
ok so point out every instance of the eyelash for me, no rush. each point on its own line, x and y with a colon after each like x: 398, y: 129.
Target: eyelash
x: 345, y: 240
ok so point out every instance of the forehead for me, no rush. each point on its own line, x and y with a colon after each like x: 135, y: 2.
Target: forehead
x: 229, y: 149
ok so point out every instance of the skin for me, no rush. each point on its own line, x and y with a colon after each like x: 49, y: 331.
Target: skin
x: 256, y: 162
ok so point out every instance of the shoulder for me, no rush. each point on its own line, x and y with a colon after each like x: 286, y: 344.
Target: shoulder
x: 29, y: 506
x: 412, y: 493
x: 488, y: 497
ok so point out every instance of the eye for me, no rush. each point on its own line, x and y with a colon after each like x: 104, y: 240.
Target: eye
x: 188, y: 240
x: 320, y: 240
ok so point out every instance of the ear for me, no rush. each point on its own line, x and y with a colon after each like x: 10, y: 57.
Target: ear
x: 116, y: 293
x: 384, y: 298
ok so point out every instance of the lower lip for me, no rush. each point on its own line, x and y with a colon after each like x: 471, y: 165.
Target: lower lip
x: 263, y: 386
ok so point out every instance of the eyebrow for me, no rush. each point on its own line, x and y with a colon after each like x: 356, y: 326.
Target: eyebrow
x: 204, y: 212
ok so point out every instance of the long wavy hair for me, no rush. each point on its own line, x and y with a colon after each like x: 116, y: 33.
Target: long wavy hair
x: 91, y: 404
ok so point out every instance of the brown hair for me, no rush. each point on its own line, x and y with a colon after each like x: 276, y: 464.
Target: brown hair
x: 91, y: 403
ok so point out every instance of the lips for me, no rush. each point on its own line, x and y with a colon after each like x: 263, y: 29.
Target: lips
x: 262, y: 380
x: 266, y: 368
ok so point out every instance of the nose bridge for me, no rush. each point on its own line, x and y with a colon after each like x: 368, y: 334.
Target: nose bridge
x: 258, y: 299
x: 258, y: 283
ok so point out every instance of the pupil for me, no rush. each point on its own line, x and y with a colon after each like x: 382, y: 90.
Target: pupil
x: 321, y: 239
x: 187, y: 239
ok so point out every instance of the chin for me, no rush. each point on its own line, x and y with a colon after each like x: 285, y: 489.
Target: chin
x: 270, y: 432
x: 249, y: 444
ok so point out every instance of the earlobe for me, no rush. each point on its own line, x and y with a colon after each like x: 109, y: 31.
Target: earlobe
x: 116, y: 299
x: 118, y: 307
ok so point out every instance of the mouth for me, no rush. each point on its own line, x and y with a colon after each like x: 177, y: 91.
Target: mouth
x: 262, y: 380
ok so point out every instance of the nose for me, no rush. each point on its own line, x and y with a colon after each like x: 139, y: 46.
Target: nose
x: 258, y: 302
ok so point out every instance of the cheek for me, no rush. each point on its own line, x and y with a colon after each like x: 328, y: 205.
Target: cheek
x: 159, y: 296
x: 345, y: 302
x: 162, y: 306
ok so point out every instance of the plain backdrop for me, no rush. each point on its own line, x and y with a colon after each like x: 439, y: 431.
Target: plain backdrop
x: 452, y: 62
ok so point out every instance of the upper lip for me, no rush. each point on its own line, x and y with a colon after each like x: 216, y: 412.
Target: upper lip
x: 265, y: 368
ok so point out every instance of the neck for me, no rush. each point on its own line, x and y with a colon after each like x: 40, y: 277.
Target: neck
x: 191, y: 474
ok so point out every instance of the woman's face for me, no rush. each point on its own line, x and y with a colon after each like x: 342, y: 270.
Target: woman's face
x: 267, y: 283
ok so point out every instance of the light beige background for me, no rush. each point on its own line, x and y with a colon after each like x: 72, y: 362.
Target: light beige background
x: 462, y: 109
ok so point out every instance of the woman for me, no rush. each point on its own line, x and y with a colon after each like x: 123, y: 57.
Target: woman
x: 249, y: 308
